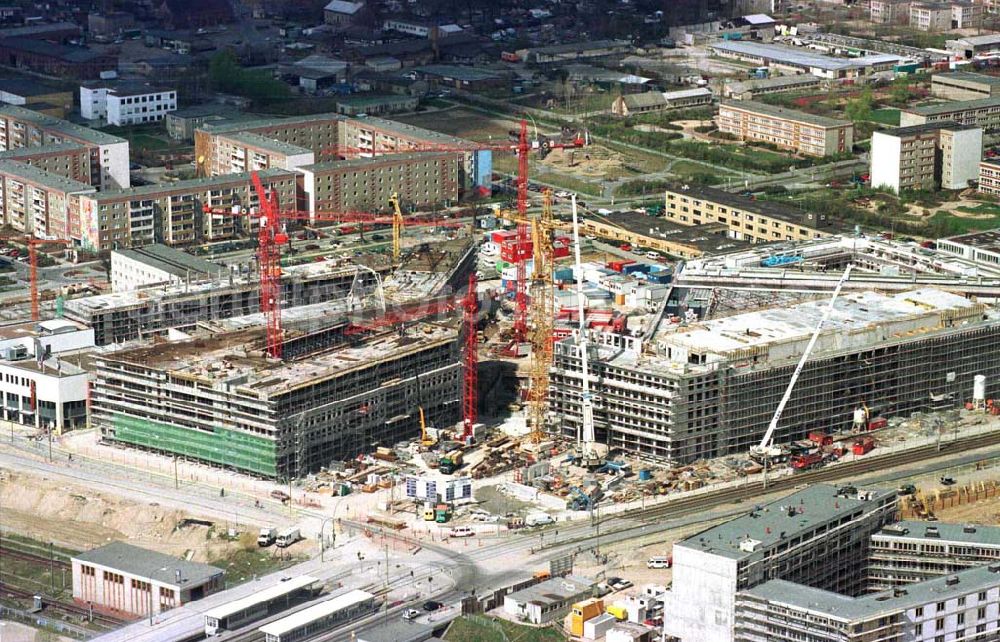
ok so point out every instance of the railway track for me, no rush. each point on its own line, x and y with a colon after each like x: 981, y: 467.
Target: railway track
x: 869, y: 464
x: 68, y: 608
x: 32, y: 557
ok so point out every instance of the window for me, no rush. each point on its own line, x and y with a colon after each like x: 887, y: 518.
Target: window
x: 939, y: 624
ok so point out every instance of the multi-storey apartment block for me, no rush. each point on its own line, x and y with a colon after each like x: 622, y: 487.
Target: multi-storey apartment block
x: 937, y: 155
x: 889, y: 12
x: 785, y: 128
x: 816, y: 537
x: 109, y: 158
x: 71, y: 160
x: 173, y: 213
x: 37, y: 202
x: 984, y: 113
x: 366, y: 184
x: 240, y: 152
x: 749, y: 220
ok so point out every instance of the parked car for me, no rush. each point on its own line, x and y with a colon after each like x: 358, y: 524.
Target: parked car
x: 619, y: 584
x: 432, y: 605
x: 410, y: 614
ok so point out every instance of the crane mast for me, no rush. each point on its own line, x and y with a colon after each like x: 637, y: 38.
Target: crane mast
x: 764, y: 448
x: 586, y: 400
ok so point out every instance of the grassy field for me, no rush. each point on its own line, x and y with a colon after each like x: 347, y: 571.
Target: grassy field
x: 482, y: 629
x: 33, y: 576
x: 249, y: 561
x: 579, y: 104
x: 988, y: 218
x: 887, y: 116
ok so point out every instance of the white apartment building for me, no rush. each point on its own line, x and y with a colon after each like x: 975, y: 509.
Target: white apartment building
x: 944, y: 155
x: 817, y: 536
x: 126, y: 103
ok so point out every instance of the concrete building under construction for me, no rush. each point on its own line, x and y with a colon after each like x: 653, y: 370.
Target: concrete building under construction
x: 216, y: 398
x: 124, y: 316
x: 709, y: 389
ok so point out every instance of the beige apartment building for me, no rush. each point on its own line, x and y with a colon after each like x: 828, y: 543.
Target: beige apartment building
x: 69, y: 160
x: 984, y: 113
x: 785, y: 128
x: 248, y: 152
x: 926, y: 157
x: 174, y: 213
x: 109, y: 155
x: 989, y: 177
x: 36, y: 202
x: 366, y: 184
x: 748, y: 220
x: 889, y: 12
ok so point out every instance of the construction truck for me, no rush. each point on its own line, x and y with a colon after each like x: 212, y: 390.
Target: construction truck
x: 450, y: 462
x: 578, y: 500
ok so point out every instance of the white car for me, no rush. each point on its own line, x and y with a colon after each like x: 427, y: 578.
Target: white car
x: 411, y: 614
x: 462, y: 531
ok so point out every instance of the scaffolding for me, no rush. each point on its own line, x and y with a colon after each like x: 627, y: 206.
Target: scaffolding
x: 682, y: 411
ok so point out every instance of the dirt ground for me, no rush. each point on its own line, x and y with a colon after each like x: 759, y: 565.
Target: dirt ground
x: 986, y: 512
x: 594, y: 161
x: 79, y: 518
x: 16, y: 632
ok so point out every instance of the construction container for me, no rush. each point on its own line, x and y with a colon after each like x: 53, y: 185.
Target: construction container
x: 583, y: 611
x: 878, y: 423
x: 619, y: 611
x: 442, y: 513
x: 863, y: 446
x: 634, y: 267
x: 562, y: 274
x: 820, y: 438
x: 645, y: 475
x: 619, y: 299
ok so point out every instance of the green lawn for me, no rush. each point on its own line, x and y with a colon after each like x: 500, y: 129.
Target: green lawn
x: 147, y: 142
x: 245, y: 563
x: 949, y: 224
x: 887, y: 116
x: 482, y: 629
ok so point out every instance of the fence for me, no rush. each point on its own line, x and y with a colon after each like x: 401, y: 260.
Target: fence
x: 923, y: 504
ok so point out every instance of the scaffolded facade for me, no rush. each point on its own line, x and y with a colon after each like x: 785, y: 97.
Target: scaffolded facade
x: 709, y: 390
x: 218, y: 399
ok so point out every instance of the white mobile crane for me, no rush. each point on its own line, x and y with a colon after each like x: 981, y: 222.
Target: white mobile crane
x: 766, y: 451
x: 589, y: 457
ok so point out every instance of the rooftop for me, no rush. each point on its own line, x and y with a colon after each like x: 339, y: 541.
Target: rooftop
x: 554, y: 591
x: 364, y: 100
x: 709, y: 238
x: 787, y: 114
x: 925, y: 127
x: 172, y: 261
x: 282, y: 588
x: 966, y: 77
x: 51, y: 367
x: 270, y: 144
x: 986, y: 240
x: 986, y: 40
x: 944, y: 532
x: 65, y: 128
x: 266, y: 123
x: 54, y: 50
x: 342, y: 6
x: 189, y: 185
x: 782, y: 332
x: 573, y: 47
x: 235, y: 358
x: 39, y: 328
x: 753, y: 534
x: 38, y: 29
x: 954, y: 106
x: 457, y: 72
x: 28, y: 88
x: 772, y: 209
x: 42, y: 178
x: 848, y: 608
x: 294, y: 621
x: 800, y: 56
x: 149, y: 564
x: 774, y: 81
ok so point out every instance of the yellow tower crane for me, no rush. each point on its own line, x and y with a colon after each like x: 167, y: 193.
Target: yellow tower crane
x: 541, y: 316
x: 397, y: 227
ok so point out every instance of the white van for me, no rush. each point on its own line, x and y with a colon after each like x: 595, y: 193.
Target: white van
x: 462, y: 531
x: 660, y: 562
x: 538, y: 519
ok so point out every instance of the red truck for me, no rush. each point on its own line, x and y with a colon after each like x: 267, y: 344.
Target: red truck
x: 807, y: 462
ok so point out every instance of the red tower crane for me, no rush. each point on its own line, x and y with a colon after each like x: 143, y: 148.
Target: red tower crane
x: 32, y: 243
x: 270, y: 237
x: 521, y: 148
x: 470, y: 387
